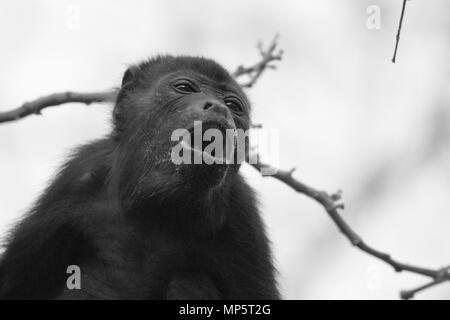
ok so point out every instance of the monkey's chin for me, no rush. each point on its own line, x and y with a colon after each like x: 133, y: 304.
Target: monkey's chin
x: 207, y: 172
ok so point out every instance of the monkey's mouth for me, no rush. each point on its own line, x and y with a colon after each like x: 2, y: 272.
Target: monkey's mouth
x: 210, y: 143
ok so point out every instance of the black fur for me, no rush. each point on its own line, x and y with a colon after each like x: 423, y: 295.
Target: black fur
x: 138, y: 226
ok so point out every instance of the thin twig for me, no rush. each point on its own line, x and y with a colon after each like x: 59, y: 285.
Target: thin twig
x: 255, y: 71
x: 409, y: 294
x: 398, y: 31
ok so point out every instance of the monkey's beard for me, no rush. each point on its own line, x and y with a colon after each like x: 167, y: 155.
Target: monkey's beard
x: 208, y: 169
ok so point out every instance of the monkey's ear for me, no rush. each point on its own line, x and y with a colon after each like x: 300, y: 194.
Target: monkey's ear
x: 128, y: 81
x: 129, y: 76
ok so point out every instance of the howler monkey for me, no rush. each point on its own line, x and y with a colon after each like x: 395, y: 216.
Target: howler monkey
x: 138, y: 225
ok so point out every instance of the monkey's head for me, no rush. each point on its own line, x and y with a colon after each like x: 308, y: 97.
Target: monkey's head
x: 176, y: 120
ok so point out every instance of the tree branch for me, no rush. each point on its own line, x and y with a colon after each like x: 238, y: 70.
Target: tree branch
x: 56, y: 99
x: 255, y: 71
x: 331, y: 203
x: 409, y: 294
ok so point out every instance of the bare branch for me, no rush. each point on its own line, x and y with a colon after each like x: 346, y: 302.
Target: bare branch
x: 36, y: 106
x: 399, y: 30
x: 409, y: 294
x: 255, y: 71
x: 332, y: 204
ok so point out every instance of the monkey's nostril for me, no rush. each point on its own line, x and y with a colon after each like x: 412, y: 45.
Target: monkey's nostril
x: 207, y: 105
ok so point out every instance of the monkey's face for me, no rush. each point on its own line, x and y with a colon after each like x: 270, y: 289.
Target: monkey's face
x: 196, y: 139
x: 188, y: 132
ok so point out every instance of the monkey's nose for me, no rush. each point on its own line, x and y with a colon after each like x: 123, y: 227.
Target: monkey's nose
x: 217, y: 107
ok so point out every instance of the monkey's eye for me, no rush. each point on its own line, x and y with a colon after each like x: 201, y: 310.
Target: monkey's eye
x: 234, y: 104
x: 185, y: 86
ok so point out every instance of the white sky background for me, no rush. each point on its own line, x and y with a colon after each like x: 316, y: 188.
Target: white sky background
x: 348, y: 118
